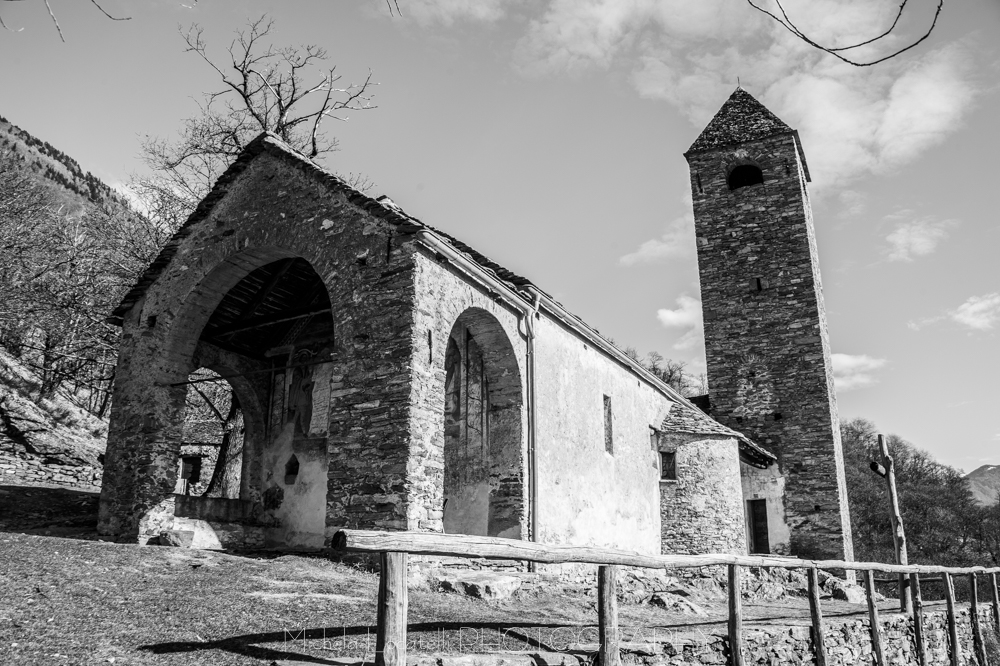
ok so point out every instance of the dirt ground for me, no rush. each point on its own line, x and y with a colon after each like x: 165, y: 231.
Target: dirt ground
x: 68, y: 598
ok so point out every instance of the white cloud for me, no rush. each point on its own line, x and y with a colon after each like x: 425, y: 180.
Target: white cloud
x: 676, y: 241
x: 686, y: 315
x: 911, y: 238
x: 852, y: 371
x: 978, y: 312
x: 853, y: 121
x: 447, y: 12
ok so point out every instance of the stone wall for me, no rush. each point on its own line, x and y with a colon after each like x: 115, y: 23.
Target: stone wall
x: 700, y: 512
x: 847, y: 643
x: 766, y: 340
x: 266, y: 209
x: 28, y: 469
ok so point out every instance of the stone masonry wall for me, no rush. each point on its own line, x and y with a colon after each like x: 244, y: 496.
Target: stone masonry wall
x: 445, y: 298
x: 767, y: 349
x: 847, y: 644
x: 702, y: 512
x: 273, y: 209
x: 27, y: 469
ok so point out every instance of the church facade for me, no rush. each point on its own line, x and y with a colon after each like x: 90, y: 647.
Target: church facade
x: 388, y: 376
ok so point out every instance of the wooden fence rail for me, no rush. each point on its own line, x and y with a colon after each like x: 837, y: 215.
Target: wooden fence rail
x: 393, y: 548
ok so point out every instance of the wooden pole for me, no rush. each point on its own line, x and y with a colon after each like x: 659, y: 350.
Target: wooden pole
x: 874, y: 629
x: 898, y: 534
x: 918, y: 620
x: 996, y: 601
x: 390, y: 639
x: 735, y: 617
x: 954, y: 650
x: 607, y: 612
x: 465, y: 545
x: 977, y: 629
x: 819, y: 642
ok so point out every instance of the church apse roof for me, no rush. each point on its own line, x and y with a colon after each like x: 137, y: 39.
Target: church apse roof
x: 689, y: 420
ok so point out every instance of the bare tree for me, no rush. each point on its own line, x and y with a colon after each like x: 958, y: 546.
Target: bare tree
x: 288, y: 91
x: 55, y: 20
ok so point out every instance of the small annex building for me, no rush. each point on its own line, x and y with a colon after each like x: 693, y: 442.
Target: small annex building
x: 388, y: 376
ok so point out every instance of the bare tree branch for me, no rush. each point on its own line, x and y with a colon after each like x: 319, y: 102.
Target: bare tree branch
x: 837, y: 51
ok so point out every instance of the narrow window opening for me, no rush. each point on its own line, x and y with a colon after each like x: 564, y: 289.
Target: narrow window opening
x: 757, y: 517
x: 778, y: 416
x: 668, y: 466
x: 362, y: 261
x: 430, y: 346
x: 745, y: 175
x: 756, y: 284
x: 388, y: 249
x: 697, y: 177
x: 151, y: 321
x: 291, y: 470
x: 609, y: 442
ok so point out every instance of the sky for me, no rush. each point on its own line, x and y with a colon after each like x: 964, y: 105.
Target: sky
x: 550, y: 134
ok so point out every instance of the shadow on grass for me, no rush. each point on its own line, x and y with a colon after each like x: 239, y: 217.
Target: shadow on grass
x: 248, y: 645
x: 45, y: 511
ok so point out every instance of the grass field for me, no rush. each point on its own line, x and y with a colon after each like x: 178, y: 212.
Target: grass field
x: 68, y: 598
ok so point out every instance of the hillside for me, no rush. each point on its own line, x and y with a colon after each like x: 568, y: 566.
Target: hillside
x: 55, y: 167
x: 47, y: 435
x: 985, y: 484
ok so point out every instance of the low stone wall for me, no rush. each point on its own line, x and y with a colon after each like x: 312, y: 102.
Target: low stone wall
x: 847, y: 644
x: 26, y: 470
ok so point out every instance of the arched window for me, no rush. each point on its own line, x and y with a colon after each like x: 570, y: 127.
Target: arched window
x: 745, y: 175
x: 482, y: 484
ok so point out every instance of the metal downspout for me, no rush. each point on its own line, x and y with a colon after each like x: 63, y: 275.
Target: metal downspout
x: 529, y: 327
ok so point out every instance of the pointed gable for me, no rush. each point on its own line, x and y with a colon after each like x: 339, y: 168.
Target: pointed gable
x: 742, y: 118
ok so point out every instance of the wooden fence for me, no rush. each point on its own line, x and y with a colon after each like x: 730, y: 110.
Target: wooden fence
x: 393, y: 548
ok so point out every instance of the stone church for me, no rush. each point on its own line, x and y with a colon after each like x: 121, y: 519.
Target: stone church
x: 387, y: 376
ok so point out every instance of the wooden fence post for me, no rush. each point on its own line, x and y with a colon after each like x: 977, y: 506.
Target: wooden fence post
x: 390, y: 639
x: 898, y: 533
x: 735, y: 617
x: 918, y: 619
x: 874, y: 628
x: 954, y: 650
x: 977, y: 629
x: 819, y: 642
x: 996, y: 601
x: 607, y: 615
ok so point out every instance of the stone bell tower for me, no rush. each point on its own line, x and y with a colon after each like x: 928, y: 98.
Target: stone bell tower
x: 766, y: 342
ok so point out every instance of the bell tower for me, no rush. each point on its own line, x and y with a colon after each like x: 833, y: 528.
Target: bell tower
x: 766, y: 342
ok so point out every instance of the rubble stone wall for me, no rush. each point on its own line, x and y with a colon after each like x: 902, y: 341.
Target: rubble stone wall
x: 28, y: 469
x: 769, y: 369
x: 271, y: 210
x: 702, y: 511
x: 847, y: 644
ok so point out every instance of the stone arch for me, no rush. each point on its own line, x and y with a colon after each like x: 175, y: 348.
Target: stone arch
x: 483, y: 404
x: 241, y: 320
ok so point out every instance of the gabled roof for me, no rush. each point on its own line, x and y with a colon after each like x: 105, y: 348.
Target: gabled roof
x: 272, y: 145
x: 685, y: 419
x: 742, y: 118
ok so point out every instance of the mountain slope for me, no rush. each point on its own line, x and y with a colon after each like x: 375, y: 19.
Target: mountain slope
x: 985, y: 484
x: 56, y: 167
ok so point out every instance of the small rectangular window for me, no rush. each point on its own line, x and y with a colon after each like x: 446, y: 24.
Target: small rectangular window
x: 609, y: 442
x: 668, y: 466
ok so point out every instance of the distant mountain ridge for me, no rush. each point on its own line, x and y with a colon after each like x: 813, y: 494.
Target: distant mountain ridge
x: 985, y: 484
x: 54, y: 165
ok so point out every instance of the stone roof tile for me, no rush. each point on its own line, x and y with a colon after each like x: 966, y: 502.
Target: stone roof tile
x: 683, y: 419
x: 742, y: 118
